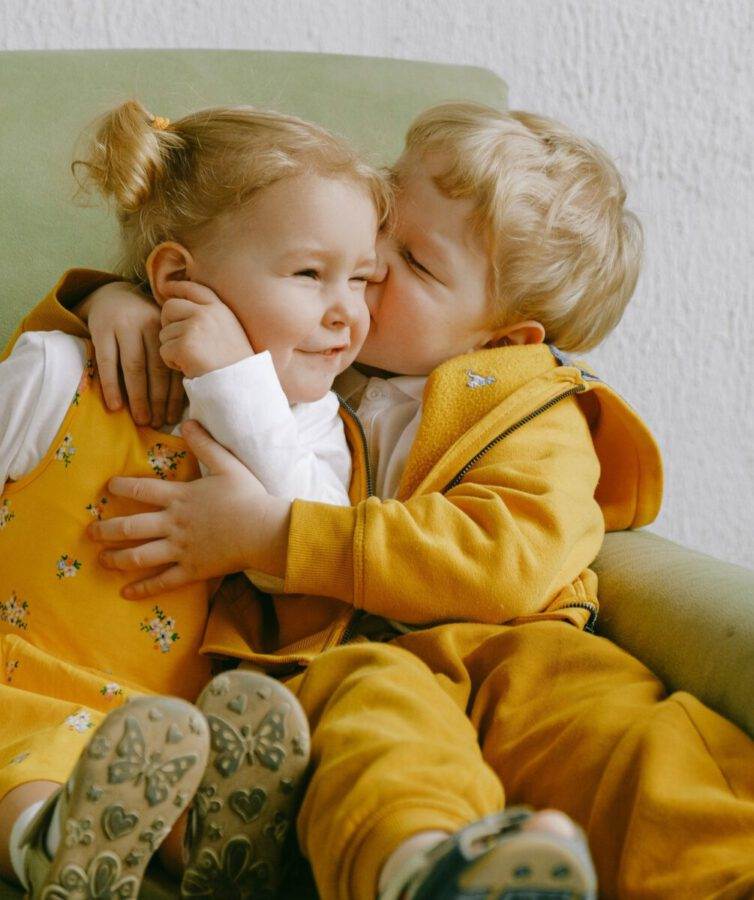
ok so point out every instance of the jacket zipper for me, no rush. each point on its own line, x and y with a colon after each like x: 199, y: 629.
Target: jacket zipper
x: 357, y: 614
x: 592, y: 620
x: 578, y: 389
x: 352, y: 412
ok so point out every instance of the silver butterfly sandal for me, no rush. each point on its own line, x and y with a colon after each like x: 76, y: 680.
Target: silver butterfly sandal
x: 249, y: 796
x: 134, y: 779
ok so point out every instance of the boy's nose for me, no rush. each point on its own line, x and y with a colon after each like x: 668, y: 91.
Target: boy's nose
x: 380, y: 271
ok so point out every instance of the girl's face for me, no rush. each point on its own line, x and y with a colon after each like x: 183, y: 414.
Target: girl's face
x: 433, y: 302
x: 293, y: 268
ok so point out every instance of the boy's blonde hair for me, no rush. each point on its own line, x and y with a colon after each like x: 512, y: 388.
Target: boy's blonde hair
x: 168, y: 181
x: 563, y: 250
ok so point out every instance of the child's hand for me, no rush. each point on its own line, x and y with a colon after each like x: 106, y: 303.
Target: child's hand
x: 222, y: 523
x: 199, y: 332
x: 125, y: 324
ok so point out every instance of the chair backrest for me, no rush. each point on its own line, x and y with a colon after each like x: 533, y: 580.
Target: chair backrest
x: 48, y: 97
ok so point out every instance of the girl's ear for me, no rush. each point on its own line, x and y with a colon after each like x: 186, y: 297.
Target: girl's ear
x: 168, y: 262
x: 530, y: 332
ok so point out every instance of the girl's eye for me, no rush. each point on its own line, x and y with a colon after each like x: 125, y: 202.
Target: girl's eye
x: 308, y: 273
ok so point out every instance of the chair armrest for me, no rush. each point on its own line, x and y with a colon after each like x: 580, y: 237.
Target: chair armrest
x: 685, y: 615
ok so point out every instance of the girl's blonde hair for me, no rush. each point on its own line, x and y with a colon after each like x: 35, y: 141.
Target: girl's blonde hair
x: 168, y: 181
x: 563, y: 249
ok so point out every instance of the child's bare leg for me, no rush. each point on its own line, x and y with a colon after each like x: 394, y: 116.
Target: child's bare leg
x: 13, y: 804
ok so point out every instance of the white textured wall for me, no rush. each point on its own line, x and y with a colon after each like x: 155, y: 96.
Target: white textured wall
x: 664, y: 85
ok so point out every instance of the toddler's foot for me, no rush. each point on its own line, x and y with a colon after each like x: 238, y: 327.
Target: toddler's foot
x: 140, y: 769
x: 247, y: 801
x: 514, y: 854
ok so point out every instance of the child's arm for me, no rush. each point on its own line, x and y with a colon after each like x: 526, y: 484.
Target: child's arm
x: 38, y: 381
x: 521, y: 526
x: 123, y: 324
x: 297, y: 452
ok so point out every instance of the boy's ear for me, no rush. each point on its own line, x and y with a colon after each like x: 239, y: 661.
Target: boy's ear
x: 529, y: 332
x: 168, y: 261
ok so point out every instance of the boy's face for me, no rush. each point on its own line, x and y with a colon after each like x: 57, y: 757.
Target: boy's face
x: 293, y: 268
x: 433, y: 303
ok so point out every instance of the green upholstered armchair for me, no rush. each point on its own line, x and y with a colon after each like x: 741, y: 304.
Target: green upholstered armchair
x: 687, y: 616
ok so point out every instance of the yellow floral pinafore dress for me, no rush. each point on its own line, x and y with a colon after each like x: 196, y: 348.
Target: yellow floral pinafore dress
x: 71, y: 648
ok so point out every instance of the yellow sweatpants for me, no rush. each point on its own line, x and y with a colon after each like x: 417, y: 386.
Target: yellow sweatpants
x: 424, y: 732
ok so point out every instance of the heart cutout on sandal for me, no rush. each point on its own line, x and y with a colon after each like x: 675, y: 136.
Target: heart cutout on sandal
x: 247, y: 804
x: 116, y: 822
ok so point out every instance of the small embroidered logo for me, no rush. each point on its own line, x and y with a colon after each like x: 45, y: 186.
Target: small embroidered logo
x: 475, y: 380
x: 10, y: 668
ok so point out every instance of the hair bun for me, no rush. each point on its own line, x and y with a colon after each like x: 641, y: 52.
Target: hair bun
x: 126, y: 155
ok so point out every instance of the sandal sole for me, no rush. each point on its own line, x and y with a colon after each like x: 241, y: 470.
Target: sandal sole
x: 132, y: 782
x: 533, y: 865
x: 249, y: 796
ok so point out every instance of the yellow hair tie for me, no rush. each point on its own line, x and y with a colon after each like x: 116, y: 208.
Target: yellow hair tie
x: 159, y: 123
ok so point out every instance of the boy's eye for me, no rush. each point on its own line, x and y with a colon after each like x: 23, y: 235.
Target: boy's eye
x: 414, y: 263
x: 308, y: 273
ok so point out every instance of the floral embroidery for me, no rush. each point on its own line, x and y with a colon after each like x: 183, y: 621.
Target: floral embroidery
x: 14, y: 611
x: 66, y: 450
x: 67, y: 566
x: 97, y: 509
x: 86, y: 377
x: 80, y: 721
x: 163, y: 460
x: 19, y: 758
x: 111, y: 689
x: 162, y: 629
x: 10, y: 668
x: 6, y: 514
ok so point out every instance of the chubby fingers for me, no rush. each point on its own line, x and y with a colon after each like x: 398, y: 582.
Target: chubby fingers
x: 191, y: 291
x: 134, y: 366
x: 145, y: 556
x: 176, y: 397
x: 177, y: 311
x: 145, y: 490
x: 159, y: 382
x: 106, y: 351
x: 167, y: 580
x: 140, y: 527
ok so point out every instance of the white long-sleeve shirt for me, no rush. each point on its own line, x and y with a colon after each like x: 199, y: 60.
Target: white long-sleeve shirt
x: 297, y: 451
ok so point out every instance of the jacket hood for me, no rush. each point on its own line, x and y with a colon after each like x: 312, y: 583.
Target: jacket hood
x: 500, y: 386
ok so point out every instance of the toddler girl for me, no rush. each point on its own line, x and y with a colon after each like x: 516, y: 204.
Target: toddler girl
x: 255, y: 231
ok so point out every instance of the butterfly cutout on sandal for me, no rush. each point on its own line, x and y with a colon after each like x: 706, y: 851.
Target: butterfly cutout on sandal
x: 135, y: 764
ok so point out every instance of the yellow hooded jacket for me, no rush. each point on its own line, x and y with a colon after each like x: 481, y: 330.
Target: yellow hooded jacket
x: 522, y: 460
